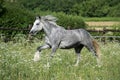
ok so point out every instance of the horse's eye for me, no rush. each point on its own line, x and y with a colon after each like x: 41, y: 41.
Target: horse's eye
x: 37, y: 24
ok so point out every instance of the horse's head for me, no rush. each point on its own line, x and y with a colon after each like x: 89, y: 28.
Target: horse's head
x: 37, y: 26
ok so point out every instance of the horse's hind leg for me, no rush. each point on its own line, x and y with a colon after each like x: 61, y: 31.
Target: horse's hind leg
x: 92, y: 49
x: 77, y: 51
x: 37, y: 53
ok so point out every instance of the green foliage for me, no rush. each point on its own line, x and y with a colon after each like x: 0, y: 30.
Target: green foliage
x: 97, y: 8
x: 86, y: 8
x: 16, y: 17
x: 2, y: 9
x: 115, y: 11
x: 70, y: 22
x: 52, y: 5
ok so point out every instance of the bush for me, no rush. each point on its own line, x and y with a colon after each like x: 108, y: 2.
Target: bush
x: 70, y: 22
x: 2, y: 9
x: 15, y: 17
x: 115, y: 11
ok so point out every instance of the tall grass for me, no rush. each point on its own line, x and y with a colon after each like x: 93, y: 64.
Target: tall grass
x: 16, y: 63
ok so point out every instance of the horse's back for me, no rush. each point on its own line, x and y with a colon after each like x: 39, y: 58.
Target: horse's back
x: 84, y: 36
x: 73, y: 38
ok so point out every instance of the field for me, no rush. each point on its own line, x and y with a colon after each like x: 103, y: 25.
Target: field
x: 16, y: 63
x: 103, y: 23
x: 97, y: 19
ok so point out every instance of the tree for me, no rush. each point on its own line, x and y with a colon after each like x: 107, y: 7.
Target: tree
x: 1, y: 7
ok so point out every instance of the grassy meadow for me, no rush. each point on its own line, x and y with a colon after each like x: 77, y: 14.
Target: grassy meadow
x: 97, y: 19
x: 16, y: 63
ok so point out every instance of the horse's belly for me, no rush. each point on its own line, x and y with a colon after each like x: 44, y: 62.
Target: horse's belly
x: 68, y: 45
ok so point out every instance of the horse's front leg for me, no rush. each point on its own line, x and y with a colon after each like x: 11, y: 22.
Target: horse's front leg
x: 54, y: 48
x: 38, y: 52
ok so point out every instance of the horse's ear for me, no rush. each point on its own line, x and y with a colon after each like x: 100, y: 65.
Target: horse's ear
x: 38, y: 17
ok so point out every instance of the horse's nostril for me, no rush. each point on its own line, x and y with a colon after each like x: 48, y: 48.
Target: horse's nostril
x: 31, y: 32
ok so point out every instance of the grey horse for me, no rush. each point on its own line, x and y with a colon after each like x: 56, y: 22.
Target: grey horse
x: 58, y: 37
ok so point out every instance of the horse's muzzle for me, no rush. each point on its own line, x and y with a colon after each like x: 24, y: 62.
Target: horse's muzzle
x: 32, y: 33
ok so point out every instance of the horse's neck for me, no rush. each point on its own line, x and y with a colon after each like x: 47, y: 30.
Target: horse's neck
x: 48, y: 27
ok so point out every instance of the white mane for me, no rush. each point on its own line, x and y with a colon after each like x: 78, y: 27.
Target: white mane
x: 50, y: 18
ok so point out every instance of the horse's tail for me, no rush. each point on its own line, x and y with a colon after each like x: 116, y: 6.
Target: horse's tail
x: 97, y: 48
x: 97, y: 52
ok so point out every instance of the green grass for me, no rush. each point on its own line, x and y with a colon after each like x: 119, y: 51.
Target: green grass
x: 16, y: 63
x: 101, y: 19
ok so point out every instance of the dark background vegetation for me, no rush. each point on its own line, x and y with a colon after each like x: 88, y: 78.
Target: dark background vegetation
x: 86, y: 8
x: 21, y: 13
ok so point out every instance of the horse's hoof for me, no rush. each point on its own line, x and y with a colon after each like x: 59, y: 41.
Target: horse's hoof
x: 76, y: 65
x: 36, y: 59
x: 36, y: 56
